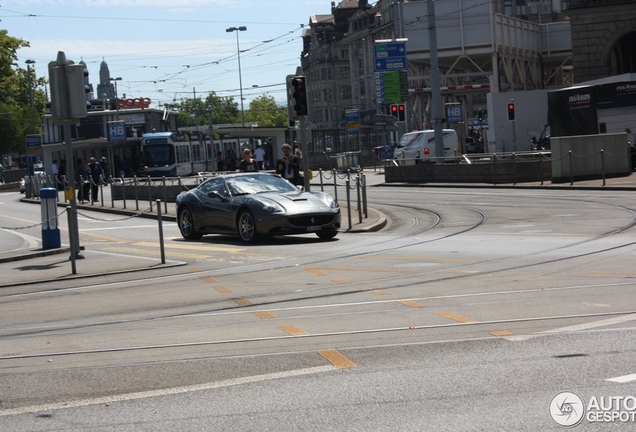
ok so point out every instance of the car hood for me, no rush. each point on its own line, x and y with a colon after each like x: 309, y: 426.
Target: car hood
x: 314, y: 201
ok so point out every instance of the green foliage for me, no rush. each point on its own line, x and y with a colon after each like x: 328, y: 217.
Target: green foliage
x: 263, y: 111
x: 191, y: 111
x: 17, y: 117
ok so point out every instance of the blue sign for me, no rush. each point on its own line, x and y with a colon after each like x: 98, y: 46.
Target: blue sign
x: 453, y: 113
x: 34, y: 145
x: 390, y: 56
x: 116, y: 131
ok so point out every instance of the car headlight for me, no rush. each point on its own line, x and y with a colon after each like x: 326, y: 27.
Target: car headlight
x: 332, y: 203
x: 271, y: 206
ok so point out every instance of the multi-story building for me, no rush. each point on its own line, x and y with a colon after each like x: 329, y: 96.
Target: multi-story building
x: 483, y: 47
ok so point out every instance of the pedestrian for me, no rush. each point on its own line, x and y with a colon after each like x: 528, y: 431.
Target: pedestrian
x: 82, y: 181
x: 248, y: 164
x: 94, y: 171
x: 297, y: 151
x: 219, y: 161
x: 288, y: 166
x: 259, y: 155
x: 61, y: 174
x: 55, y: 171
x: 105, y: 169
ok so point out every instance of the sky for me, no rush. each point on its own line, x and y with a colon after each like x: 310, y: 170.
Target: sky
x: 167, y: 50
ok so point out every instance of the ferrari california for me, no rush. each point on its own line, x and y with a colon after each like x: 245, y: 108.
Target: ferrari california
x: 253, y: 205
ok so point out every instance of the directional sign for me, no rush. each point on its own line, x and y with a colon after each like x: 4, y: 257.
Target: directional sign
x: 116, y: 131
x: 34, y: 145
x: 454, y: 112
x: 390, y: 56
x: 391, y: 87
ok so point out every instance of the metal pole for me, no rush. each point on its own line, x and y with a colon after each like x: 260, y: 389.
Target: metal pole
x: 303, y: 149
x: 161, y: 246
x: 436, y: 108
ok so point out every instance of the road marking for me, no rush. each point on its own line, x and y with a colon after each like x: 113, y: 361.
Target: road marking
x: 411, y: 303
x: 294, y: 331
x: 243, y: 302
x: 502, y: 333
x: 591, y: 325
x: 380, y: 292
x: 337, y: 359
x: 193, y: 247
x: 264, y: 314
x: 340, y: 281
x: 315, y: 271
x: 168, y: 391
x: 209, y: 279
x: 623, y: 379
x: 194, y: 269
x: 455, y: 317
x: 222, y: 289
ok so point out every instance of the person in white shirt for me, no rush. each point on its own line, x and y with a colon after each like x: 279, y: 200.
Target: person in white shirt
x: 259, y: 155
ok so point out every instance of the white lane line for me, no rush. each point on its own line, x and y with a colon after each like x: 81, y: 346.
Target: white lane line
x: 168, y: 391
x: 575, y: 328
x: 623, y: 379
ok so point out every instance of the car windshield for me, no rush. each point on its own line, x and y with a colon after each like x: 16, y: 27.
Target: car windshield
x: 259, y: 183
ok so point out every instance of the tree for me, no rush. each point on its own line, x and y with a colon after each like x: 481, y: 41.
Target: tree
x: 195, y: 111
x: 265, y: 112
x: 17, y: 117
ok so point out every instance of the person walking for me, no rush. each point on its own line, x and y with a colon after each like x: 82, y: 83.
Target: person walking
x: 248, y: 164
x: 259, y: 155
x: 81, y: 181
x: 94, y: 171
x: 288, y: 167
x: 105, y: 169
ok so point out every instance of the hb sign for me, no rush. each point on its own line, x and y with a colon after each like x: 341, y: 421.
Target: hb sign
x: 116, y: 131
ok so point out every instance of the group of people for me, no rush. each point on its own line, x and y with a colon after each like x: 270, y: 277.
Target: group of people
x: 287, y: 166
x: 89, y: 177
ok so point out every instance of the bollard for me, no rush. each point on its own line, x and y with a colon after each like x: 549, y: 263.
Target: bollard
x: 50, y: 229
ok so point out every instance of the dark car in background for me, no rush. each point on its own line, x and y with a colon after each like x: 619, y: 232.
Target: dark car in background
x: 251, y: 205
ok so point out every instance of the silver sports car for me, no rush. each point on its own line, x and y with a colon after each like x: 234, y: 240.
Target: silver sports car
x: 253, y: 205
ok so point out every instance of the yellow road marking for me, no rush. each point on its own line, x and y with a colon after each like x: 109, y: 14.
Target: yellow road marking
x: 599, y: 273
x: 243, y: 301
x: 194, y: 269
x: 147, y: 252
x: 315, y: 271
x: 455, y: 317
x: 294, y: 331
x: 411, y: 303
x: 501, y: 333
x: 222, y: 289
x: 337, y: 359
x: 380, y: 292
x: 193, y: 247
x: 209, y: 279
x: 340, y: 281
x: 264, y: 314
x: 411, y: 259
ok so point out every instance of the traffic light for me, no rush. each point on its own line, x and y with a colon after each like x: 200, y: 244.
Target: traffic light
x: 77, y: 90
x: 394, y: 111
x: 480, y: 115
x: 511, y: 111
x: 299, y: 96
x: 401, y: 112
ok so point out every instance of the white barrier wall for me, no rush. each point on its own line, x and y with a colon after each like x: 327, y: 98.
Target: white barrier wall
x: 589, y: 157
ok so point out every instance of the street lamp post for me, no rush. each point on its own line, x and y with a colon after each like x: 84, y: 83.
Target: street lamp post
x: 29, y: 63
x: 238, y: 52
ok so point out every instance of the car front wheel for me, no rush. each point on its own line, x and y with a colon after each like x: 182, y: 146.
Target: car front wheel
x: 246, y: 227
x: 186, y: 225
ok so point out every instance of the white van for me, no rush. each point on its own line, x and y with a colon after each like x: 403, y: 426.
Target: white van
x: 419, y: 147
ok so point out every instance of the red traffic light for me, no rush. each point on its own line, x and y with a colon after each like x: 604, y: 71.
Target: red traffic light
x: 394, y: 110
x: 511, y: 111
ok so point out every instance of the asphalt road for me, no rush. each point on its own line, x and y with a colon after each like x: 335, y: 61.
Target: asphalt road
x: 471, y: 310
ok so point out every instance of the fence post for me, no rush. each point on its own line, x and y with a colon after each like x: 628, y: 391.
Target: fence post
x: 123, y: 190
x: 136, y: 193
x: 165, y: 196
x: 359, y: 199
x: 540, y: 170
x: 571, y: 168
x: 347, y: 181
x: 514, y: 169
x: 335, y: 184
x: 161, y: 246
x: 494, y: 159
x: 149, y: 192
x: 364, y: 195
x: 322, y: 187
x: 603, y: 165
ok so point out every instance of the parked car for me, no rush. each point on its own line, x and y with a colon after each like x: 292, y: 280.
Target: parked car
x: 255, y: 204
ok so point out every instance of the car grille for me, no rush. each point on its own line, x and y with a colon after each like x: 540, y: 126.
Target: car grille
x: 311, y: 220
